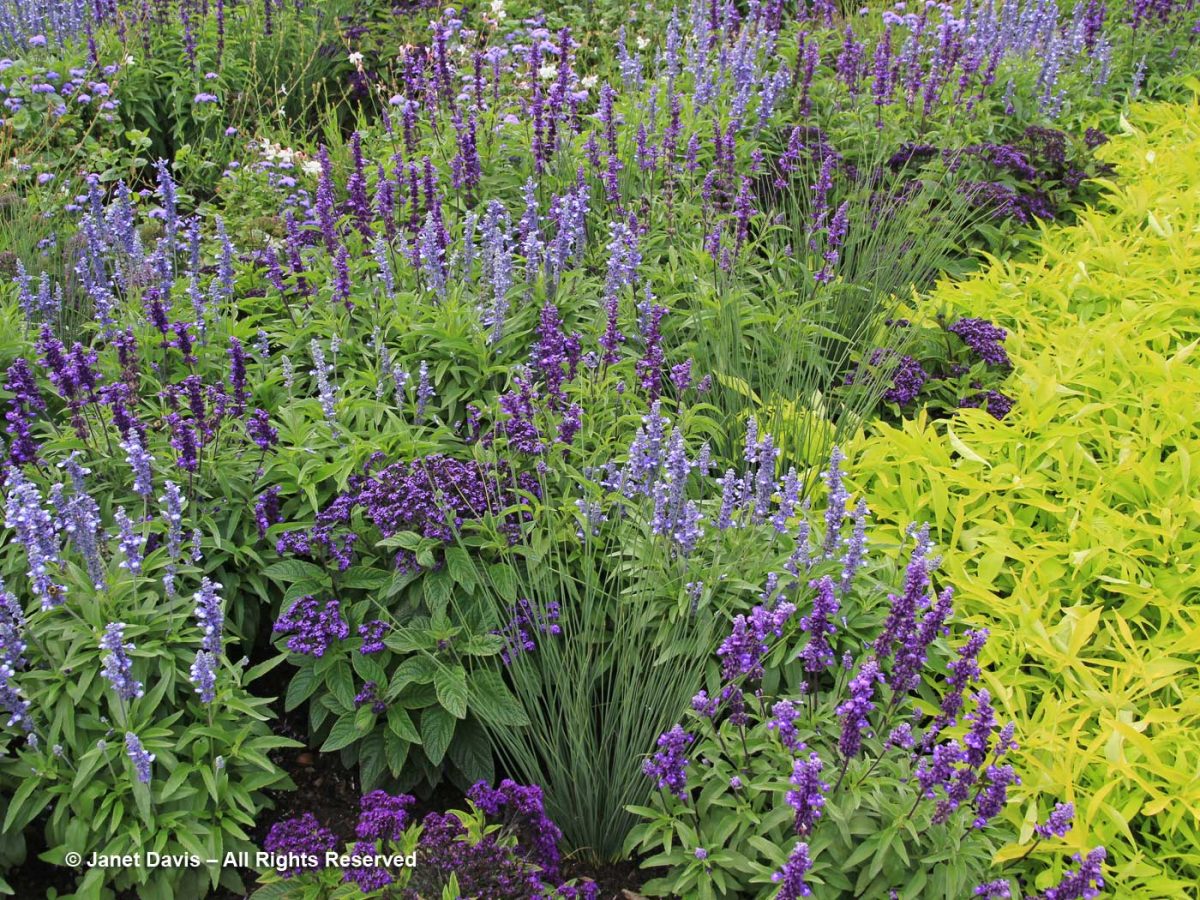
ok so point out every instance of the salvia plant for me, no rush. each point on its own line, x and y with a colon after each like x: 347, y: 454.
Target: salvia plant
x: 844, y: 744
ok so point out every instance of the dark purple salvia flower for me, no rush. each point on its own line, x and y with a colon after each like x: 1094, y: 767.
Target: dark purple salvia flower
x: 313, y: 628
x: 326, y: 205
x: 341, y: 275
x: 1059, y: 822
x: 807, y: 797
x: 854, y: 712
x: 521, y: 630
x: 989, y: 802
x: 978, y: 739
x: 237, y: 376
x: 372, y: 634
x: 984, y: 338
x: 258, y: 427
x: 741, y: 653
x: 183, y: 442
x: 963, y: 672
x: 783, y: 721
x: 300, y: 838
x: 383, y: 816
x: 900, y: 624
x: 1086, y: 882
x: 790, y: 878
x: 143, y: 761
x: 913, y: 647
x: 669, y: 764
x: 817, y: 653
x: 266, y: 510
x: 705, y: 705
x: 118, y: 667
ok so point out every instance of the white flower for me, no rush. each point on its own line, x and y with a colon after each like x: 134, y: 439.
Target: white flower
x: 589, y: 81
x: 130, y: 61
x: 548, y: 71
x: 498, y: 10
x: 311, y: 167
x: 356, y: 58
x: 642, y: 43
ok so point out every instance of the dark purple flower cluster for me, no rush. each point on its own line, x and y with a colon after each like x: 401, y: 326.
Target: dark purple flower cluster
x: 372, y: 636
x: 984, y: 338
x: 298, y: 837
x: 1084, y: 883
x: 313, y: 627
x: 483, y: 868
x: 520, y: 809
x: 369, y: 696
x: 997, y: 404
x: 383, y: 816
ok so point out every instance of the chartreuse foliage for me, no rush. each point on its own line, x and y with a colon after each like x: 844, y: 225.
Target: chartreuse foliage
x: 1071, y: 527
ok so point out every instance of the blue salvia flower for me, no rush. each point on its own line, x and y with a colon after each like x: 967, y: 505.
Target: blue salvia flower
x: 425, y: 391
x: 36, y: 532
x: 321, y: 372
x: 142, y: 760
x: 382, y: 259
x: 497, y: 268
x: 224, y: 283
x: 139, y: 460
x: 130, y: 542
x: 204, y: 676
x: 789, y: 498
x: 432, y: 256
x: 12, y: 658
x: 835, y: 512
x: 856, y: 547
x: 118, y: 667
x: 209, y: 615
x: 166, y: 192
x: 400, y: 380
x: 79, y: 516
x: 172, y: 501
x: 529, y: 232
x: 289, y: 373
x: 262, y: 346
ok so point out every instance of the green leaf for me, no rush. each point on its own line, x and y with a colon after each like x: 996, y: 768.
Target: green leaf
x: 492, y: 701
x: 451, y: 685
x: 437, y: 730
x: 343, y: 734
x: 287, y: 571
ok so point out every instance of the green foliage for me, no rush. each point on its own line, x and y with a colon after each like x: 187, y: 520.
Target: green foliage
x: 1070, y: 530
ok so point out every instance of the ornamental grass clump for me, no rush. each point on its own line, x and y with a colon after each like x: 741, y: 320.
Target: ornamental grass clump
x: 843, y: 744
